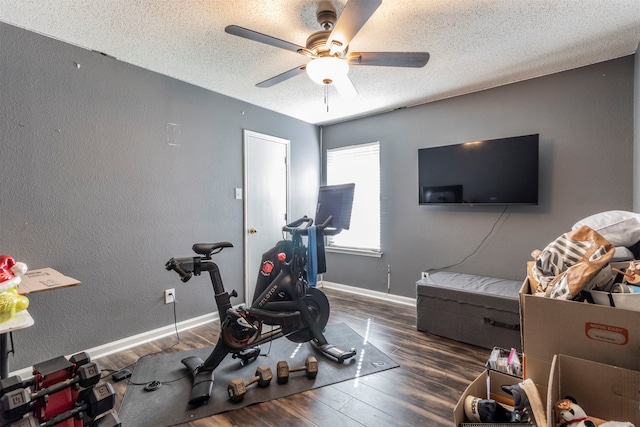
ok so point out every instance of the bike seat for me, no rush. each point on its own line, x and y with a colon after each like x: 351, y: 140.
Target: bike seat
x: 209, y: 248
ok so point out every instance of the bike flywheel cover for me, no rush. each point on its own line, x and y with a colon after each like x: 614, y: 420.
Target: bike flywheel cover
x: 318, y: 305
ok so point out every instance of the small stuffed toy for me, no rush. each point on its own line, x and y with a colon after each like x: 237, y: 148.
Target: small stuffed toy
x: 10, y: 277
x: 573, y: 415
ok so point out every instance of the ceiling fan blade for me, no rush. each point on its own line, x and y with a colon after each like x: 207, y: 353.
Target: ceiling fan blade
x: 262, y: 38
x: 389, y: 59
x: 353, y: 17
x: 345, y: 87
x: 282, y: 77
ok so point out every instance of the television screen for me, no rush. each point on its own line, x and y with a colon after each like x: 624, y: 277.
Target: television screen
x: 497, y: 171
x: 337, y: 201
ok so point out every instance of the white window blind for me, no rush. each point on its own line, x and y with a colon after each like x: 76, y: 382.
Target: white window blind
x: 358, y: 164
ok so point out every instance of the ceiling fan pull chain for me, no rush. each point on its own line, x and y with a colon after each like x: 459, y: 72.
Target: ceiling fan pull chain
x: 326, y: 96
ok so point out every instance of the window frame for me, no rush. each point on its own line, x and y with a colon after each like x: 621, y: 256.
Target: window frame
x: 352, y: 149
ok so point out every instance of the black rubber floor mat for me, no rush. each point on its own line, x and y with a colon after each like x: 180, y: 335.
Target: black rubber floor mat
x: 167, y: 405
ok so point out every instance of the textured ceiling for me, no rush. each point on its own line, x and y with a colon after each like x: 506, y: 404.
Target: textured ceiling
x: 474, y: 44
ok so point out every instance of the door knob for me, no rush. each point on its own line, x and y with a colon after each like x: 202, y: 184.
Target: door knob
x: 252, y: 230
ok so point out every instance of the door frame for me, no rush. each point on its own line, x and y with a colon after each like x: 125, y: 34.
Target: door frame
x: 246, y: 134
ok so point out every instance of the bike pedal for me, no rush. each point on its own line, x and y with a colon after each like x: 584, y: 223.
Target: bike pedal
x: 247, y: 355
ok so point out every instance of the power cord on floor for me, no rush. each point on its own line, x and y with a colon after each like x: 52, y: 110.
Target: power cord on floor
x: 155, y: 384
x: 124, y: 374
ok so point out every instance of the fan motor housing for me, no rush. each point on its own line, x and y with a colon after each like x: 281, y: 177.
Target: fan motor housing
x: 317, y: 43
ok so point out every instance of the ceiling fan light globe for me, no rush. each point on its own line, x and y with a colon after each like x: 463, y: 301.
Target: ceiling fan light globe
x: 329, y: 68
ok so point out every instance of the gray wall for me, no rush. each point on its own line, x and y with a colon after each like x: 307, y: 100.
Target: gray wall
x: 585, y: 121
x: 636, y: 133
x: 92, y: 188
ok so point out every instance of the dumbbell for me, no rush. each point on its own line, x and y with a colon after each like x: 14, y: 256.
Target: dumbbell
x: 100, y: 399
x: 310, y: 367
x: 237, y: 388
x: 18, y: 402
x: 13, y: 383
x: 80, y: 359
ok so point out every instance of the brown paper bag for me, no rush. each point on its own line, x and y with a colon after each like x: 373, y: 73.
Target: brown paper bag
x: 574, y: 262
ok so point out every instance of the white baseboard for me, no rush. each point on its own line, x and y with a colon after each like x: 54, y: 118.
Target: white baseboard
x: 135, y: 340
x: 145, y: 337
x: 369, y: 293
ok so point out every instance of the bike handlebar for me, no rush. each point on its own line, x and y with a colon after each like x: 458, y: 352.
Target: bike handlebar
x: 293, y: 227
x: 188, y: 267
x: 172, y: 264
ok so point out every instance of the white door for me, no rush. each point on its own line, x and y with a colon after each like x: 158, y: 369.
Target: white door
x: 265, y: 200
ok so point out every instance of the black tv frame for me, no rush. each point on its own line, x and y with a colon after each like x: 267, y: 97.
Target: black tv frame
x: 503, y: 171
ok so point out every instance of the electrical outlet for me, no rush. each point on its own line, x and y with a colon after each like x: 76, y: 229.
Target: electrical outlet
x: 169, y: 296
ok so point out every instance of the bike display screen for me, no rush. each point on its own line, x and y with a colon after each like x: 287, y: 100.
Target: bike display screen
x: 337, y: 201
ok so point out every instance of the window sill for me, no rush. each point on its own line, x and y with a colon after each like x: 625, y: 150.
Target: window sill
x: 352, y: 251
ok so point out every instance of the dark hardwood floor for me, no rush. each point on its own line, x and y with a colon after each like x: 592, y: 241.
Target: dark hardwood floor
x: 433, y: 373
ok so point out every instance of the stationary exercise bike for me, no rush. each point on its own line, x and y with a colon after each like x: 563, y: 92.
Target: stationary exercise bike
x: 297, y: 311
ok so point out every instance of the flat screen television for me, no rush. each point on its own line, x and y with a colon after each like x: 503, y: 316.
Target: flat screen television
x: 497, y: 171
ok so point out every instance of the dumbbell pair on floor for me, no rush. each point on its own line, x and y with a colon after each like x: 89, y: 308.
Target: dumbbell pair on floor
x: 237, y: 387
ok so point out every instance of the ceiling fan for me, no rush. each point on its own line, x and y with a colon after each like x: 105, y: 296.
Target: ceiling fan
x: 328, y: 48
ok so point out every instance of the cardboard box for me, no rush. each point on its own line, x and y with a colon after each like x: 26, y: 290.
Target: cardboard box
x: 608, y: 335
x: 607, y: 392
x: 478, y: 388
x: 44, y: 279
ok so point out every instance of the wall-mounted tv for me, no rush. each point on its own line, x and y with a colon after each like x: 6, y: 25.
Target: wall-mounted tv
x: 498, y: 171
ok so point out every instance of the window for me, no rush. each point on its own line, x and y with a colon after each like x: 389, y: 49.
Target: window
x: 359, y: 164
